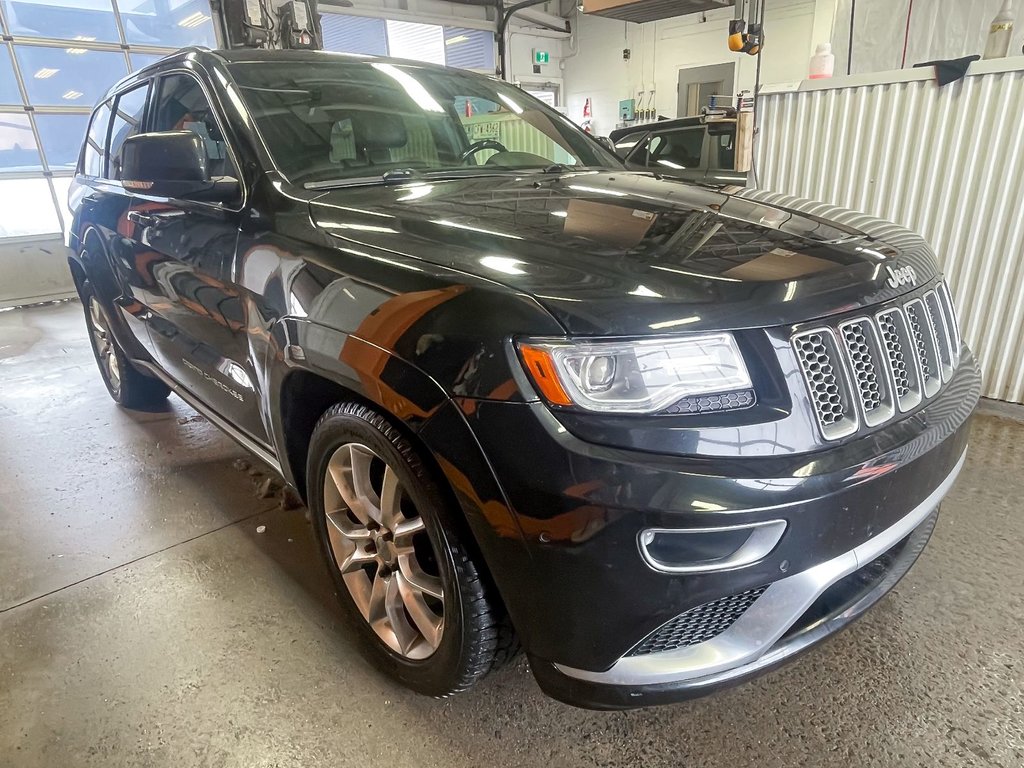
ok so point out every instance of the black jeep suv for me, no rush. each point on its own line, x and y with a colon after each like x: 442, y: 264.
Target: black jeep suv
x: 663, y: 436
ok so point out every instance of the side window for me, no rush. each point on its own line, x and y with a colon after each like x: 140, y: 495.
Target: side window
x: 94, y: 156
x: 181, y: 105
x: 128, y: 114
x: 678, y: 150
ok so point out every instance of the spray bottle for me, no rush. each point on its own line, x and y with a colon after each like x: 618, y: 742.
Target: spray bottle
x: 999, y: 34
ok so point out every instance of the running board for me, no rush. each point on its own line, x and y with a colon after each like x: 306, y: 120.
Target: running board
x: 261, y: 452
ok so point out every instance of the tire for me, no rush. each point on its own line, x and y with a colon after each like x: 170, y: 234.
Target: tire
x: 127, y: 386
x: 379, y: 512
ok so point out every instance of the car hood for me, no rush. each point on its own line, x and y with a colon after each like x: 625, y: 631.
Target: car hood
x: 620, y: 253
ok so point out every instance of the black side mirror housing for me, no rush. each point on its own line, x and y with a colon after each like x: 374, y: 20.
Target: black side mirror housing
x: 172, y: 164
x: 605, y: 142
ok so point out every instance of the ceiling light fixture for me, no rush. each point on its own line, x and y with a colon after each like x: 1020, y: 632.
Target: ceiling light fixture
x: 194, y: 20
x: 456, y: 40
x: 45, y: 73
x: 72, y: 95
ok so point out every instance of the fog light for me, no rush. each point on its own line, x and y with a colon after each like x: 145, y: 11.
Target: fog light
x: 700, y: 550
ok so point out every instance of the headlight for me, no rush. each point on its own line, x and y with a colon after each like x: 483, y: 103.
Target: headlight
x: 634, y: 376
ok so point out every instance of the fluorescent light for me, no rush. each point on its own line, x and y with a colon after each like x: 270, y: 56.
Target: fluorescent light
x: 503, y: 264
x: 416, y: 191
x: 71, y: 95
x: 75, y: 51
x: 510, y: 104
x: 194, y: 20
x: 597, y: 190
x: 456, y: 40
x: 45, y: 73
x: 673, y: 323
x: 84, y: 38
x: 456, y: 225
x: 412, y: 87
x: 560, y: 214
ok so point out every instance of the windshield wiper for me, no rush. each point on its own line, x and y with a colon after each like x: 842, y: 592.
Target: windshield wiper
x: 394, y: 176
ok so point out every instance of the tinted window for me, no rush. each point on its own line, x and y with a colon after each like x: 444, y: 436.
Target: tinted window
x: 677, y: 150
x: 723, y: 150
x: 127, y: 122
x: 182, y: 106
x: 95, y: 155
x: 344, y: 118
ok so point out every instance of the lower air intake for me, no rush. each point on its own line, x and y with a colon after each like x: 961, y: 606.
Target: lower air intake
x: 699, y: 624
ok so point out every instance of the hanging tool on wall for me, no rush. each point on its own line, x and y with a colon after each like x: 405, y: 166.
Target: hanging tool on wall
x: 746, y: 31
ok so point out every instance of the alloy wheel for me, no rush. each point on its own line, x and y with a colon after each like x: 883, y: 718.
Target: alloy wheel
x: 100, y: 330
x: 380, y: 545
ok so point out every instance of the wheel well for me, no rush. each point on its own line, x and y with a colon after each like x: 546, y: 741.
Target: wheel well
x: 77, y: 273
x: 304, y: 399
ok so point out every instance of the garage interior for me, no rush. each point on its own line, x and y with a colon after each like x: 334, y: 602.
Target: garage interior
x: 157, y: 600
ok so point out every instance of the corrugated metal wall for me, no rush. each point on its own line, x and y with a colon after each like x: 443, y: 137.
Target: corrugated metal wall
x: 946, y: 162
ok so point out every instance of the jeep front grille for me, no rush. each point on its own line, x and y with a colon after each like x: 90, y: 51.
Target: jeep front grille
x: 868, y: 369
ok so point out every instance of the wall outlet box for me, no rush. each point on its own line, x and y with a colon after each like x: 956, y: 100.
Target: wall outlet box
x: 627, y: 110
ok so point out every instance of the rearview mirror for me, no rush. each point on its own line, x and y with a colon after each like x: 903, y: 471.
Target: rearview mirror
x: 172, y: 164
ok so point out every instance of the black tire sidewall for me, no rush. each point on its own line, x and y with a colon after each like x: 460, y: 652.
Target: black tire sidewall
x: 88, y: 296
x: 439, y: 673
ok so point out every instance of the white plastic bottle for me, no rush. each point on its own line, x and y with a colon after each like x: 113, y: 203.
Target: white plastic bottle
x: 823, y: 62
x: 1000, y: 33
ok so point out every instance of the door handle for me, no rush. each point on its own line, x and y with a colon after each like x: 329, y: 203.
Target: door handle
x: 142, y: 219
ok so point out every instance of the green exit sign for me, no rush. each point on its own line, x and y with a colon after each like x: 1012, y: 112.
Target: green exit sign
x: 541, y: 57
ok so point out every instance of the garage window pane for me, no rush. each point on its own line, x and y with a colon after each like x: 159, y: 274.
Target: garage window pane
x: 9, y: 93
x: 96, y: 144
x: 140, y: 60
x: 422, y: 42
x: 62, y: 186
x: 127, y: 122
x: 62, y: 137
x: 18, y: 150
x: 174, y: 24
x: 73, y: 77
x: 354, y: 34
x: 26, y: 208
x: 65, y: 19
x: 469, y: 48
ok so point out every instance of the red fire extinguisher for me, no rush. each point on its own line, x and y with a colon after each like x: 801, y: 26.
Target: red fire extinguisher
x: 587, y: 117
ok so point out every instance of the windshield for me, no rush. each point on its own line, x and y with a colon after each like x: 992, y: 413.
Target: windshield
x: 349, y: 118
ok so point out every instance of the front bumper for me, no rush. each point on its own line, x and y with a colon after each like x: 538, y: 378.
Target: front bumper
x: 792, y: 615
x: 583, y: 598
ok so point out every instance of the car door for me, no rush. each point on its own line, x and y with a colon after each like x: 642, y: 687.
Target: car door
x: 197, y: 322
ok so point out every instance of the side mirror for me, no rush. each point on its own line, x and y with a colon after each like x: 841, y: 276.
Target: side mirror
x: 605, y: 142
x: 172, y: 164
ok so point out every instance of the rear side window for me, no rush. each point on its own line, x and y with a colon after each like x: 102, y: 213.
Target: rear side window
x: 128, y: 114
x: 181, y: 105
x: 94, y: 157
x: 678, y: 150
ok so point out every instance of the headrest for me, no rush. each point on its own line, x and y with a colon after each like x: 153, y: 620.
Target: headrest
x: 377, y: 130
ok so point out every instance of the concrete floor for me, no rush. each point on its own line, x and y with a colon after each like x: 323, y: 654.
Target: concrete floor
x: 144, y: 621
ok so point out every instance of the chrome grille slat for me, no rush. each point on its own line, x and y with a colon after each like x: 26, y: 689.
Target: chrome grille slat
x: 942, y: 335
x: 903, y: 362
x: 826, y: 382
x: 890, y: 362
x: 864, y: 354
x: 927, y: 348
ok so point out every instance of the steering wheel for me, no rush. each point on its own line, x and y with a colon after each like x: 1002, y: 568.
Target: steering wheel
x: 480, y: 146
